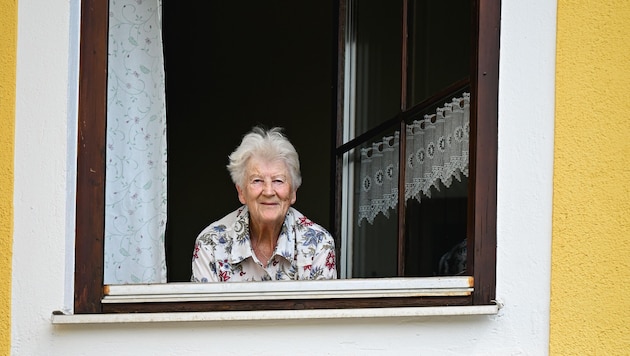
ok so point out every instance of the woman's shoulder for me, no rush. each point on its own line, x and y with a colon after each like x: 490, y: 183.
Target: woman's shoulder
x: 300, y: 219
x: 229, y: 222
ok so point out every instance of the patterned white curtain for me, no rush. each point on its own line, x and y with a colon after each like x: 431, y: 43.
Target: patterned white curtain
x: 436, y: 152
x: 135, y: 189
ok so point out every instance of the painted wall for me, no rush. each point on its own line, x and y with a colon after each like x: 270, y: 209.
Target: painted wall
x: 590, y: 299
x: 8, y: 43
x: 45, y: 149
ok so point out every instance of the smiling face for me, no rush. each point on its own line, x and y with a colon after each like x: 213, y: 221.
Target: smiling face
x: 267, y: 191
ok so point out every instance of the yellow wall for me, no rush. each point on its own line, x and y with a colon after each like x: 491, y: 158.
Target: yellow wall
x: 590, y: 293
x: 8, y: 38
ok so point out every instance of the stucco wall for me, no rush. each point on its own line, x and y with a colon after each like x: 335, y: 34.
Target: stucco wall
x: 8, y: 41
x: 590, y: 300
x: 45, y: 143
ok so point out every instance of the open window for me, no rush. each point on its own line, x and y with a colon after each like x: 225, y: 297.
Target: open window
x: 381, y: 86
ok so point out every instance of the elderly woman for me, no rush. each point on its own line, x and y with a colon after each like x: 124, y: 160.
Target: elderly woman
x: 266, y: 238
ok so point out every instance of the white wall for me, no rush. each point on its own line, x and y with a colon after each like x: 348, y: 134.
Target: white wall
x: 45, y: 139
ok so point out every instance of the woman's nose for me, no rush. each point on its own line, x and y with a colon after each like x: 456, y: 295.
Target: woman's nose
x: 268, y: 188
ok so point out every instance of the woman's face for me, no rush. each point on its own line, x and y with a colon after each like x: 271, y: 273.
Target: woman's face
x: 267, y: 191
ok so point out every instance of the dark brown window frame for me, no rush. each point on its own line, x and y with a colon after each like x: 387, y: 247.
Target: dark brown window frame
x: 90, y: 219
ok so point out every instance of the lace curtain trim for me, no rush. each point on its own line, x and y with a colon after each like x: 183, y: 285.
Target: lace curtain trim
x: 436, y: 153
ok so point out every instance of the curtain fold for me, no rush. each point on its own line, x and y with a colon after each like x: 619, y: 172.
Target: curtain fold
x: 135, y: 187
x: 436, y: 153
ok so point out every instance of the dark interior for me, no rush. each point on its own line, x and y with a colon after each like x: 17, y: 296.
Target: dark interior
x: 231, y: 65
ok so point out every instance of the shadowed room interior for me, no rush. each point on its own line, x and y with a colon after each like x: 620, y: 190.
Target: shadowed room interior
x: 230, y: 66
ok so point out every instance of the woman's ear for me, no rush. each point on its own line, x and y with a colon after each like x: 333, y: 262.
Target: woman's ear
x: 241, y: 196
x: 294, y: 197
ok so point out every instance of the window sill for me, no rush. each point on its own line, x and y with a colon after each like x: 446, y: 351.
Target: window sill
x: 60, y: 318
x: 274, y: 290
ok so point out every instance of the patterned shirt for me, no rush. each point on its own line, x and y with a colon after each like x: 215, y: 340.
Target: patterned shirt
x: 223, y: 251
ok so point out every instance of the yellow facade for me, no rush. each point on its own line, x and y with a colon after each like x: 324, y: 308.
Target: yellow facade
x: 8, y: 41
x: 590, y: 296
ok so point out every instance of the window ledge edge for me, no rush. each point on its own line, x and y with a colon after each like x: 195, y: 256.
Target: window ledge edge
x: 61, y: 318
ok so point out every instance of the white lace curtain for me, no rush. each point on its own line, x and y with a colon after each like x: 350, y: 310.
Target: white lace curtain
x: 135, y: 189
x: 436, y: 152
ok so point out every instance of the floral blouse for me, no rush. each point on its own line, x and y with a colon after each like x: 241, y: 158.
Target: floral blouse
x: 223, y: 251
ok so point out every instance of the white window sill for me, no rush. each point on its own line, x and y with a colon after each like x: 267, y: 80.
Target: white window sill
x: 60, y: 318
x: 273, y: 290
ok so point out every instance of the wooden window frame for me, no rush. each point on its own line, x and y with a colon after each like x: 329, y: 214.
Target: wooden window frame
x: 89, y: 290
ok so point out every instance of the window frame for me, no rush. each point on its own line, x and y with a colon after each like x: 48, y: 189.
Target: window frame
x: 89, y: 291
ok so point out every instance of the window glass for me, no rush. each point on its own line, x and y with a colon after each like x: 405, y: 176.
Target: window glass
x: 435, y: 158
x: 377, y: 64
x: 439, y: 51
x: 373, y: 230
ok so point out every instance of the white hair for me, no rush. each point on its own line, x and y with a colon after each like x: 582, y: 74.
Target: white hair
x: 269, y: 145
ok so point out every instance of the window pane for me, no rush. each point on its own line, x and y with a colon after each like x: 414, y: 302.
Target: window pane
x: 436, y: 188
x: 378, y: 62
x: 373, y: 231
x: 436, y: 232
x: 436, y: 142
x: 439, y: 46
